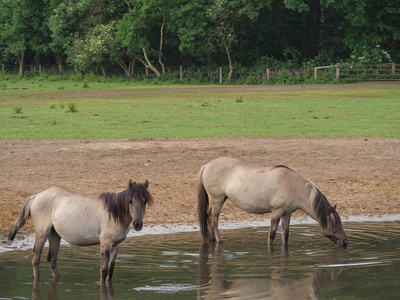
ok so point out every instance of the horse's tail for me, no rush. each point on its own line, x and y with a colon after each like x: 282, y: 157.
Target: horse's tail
x: 23, y: 216
x: 202, y: 202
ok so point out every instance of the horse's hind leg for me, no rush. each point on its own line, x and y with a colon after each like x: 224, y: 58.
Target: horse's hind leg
x: 54, y: 246
x: 216, y: 205
x: 37, y: 252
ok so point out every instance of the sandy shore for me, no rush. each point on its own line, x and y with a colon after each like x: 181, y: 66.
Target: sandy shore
x: 361, y: 175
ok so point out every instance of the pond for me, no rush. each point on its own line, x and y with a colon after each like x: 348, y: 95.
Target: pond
x: 179, y: 266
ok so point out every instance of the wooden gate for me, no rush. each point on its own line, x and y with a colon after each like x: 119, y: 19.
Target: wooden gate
x: 368, y: 72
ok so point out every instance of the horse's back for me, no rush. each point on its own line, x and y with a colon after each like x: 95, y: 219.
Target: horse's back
x: 230, y: 176
x: 226, y: 171
x: 43, y: 203
x: 50, y: 199
x: 219, y: 172
x: 252, y: 188
x: 75, y: 217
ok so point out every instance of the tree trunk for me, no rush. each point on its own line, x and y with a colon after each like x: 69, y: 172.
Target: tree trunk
x: 146, y: 62
x: 230, y: 61
x: 21, y: 63
x: 128, y: 69
x: 59, y: 60
x: 160, y: 52
x: 313, y: 27
x: 131, y: 66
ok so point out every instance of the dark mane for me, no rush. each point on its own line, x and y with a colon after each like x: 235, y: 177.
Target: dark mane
x: 281, y: 166
x: 321, y: 208
x: 141, y: 192
x: 117, y: 205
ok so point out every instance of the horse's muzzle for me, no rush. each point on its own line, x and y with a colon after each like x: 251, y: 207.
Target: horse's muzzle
x: 342, y: 242
x: 137, y: 226
x: 339, y: 242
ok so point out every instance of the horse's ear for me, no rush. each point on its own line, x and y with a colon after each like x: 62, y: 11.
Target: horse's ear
x: 146, y: 184
x: 131, y: 183
x: 335, y: 206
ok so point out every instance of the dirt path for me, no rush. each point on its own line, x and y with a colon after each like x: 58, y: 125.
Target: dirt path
x: 361, y: 175
x: 171, y: 89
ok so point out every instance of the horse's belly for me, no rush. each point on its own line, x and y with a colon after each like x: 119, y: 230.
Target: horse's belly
x: 253, y: 206
x: 79, y: 225
x: 82, y: 237
x: 76, y: 230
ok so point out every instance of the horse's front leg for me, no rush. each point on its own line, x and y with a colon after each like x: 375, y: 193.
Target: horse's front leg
x: 285, y: 230
x: 273, y: 229
x: 111, y: 264
x: 105, y: 252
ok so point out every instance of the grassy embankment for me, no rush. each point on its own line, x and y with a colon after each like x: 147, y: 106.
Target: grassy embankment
x: 64, y: 109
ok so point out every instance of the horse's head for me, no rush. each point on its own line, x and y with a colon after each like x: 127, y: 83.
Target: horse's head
x: 333, y: 228
x: 140, y: 197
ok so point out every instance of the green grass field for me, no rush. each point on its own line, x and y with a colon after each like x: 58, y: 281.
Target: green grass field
x: 62, y: 109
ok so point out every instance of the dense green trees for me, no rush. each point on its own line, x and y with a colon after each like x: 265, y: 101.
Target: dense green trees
x: 105, y: 35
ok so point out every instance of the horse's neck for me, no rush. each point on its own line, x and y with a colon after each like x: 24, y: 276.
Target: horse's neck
x: 307, y: 202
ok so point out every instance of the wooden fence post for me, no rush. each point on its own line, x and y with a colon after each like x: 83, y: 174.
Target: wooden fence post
x: 220, y: 75
x: 40, y: 69
x: 180, y: 72
x: 393, y: 69
x: 2, y: 68
x: 338, y: 71
x: 267, y: 74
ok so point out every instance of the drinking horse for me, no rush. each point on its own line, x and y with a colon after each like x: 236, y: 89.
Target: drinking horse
x: 278, y: 190
x: 83, y: 220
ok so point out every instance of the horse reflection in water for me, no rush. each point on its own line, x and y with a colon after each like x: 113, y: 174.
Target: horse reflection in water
x: 106, y: 290
x: 278, y: 190
x: 277, y: 281
x: 83, y: 220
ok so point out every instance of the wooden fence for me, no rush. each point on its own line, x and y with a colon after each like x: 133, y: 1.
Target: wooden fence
x: 364, y: 72
x: 349, y: 72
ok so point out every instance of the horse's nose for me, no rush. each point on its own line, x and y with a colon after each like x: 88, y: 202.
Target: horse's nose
x: 137, y: 226
x: 344, y: 243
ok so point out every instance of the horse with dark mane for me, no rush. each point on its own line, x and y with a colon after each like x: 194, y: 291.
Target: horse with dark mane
x: 83, y: 220
x: 278, y: 190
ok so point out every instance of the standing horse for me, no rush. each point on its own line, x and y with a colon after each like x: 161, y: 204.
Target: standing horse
x: 278, y: 190
x: 83, y: 220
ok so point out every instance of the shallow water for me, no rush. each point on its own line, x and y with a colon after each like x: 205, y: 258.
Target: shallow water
x: 178, y: 266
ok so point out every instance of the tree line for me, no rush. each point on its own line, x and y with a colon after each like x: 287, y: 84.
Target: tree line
x: 102, y: 35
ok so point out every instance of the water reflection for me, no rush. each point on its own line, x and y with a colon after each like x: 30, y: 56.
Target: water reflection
x: 106, y: 290
x: 51, y: 292
x: 180, y: 266
x: 281, y: 279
